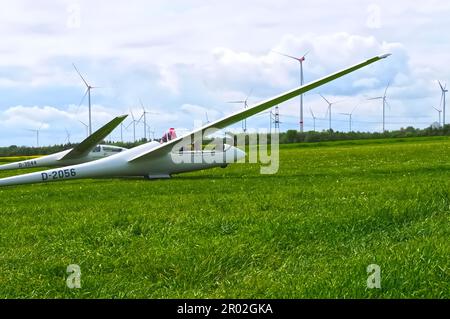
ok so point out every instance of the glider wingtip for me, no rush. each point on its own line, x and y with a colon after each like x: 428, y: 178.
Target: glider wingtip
x: 384, y: 56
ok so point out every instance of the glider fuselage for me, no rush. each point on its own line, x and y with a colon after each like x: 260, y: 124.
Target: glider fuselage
x: 56, y: 159
x: 119, y: 165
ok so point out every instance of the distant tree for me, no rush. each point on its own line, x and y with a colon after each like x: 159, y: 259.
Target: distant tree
x: 291, y: 136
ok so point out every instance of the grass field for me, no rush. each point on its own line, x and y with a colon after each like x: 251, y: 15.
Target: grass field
x: 309, y: 231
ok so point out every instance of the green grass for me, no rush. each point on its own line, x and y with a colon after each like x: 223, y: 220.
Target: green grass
x: 310, y: 231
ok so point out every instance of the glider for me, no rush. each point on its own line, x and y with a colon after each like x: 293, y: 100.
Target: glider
x: 160, y: 160
x: 87, y: 151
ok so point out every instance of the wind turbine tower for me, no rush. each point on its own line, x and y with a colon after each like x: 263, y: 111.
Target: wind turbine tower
x: 444, y: 91
x: 37, y: 134
x: 300, y: 60
x: 152, y: 133
x: 350, y: 117
x: 330, y: 104
x: 314, y: 119
x: 133, y: 122
x: 144, y: 116
x: 384, y: 99
x: 439, y: 111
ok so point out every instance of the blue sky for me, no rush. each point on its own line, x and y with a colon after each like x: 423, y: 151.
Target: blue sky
x: 185, y: 58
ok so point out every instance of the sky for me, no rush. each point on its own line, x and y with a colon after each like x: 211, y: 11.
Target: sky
x: 186, y: 59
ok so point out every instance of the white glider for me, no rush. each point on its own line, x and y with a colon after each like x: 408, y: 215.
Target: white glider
x: 156, y: 160
x: 88, y: 150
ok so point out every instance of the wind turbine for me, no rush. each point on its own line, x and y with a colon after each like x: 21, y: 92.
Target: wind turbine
x: 350, y: 117
x: 314, y: 119
x: 444, y: 90
x: 67, y: 141
x: 144, y: 116
x: 133, y: 122
x: 384, y: 98
x: 329, y: 109
x: 121, y: 132
x: 245, y: 102
x: 152, y: 133
x: 439, y: 111
x: 37, y: 134
x: 300, y: 60
x: 88, y: 93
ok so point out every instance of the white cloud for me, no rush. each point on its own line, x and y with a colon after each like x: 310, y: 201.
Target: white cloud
x: 205, y: 53
x: 169, y: 80
x: 374, y: 17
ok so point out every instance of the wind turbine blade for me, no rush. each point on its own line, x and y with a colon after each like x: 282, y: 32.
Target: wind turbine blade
x: 354, y: 109
x: 82, y: 99
x: 286, y: 55
x: 440, y: 84
x: 387, y: 87
x: 325, y: 99
x: 312, y: 113
x: 67, y: 135
x: 236, y: 102
x: 80, y: 75
x: 326, y: 113
x: 142, y: 104
x: 436, y: 109
x: 375, y: 98
x: 248, y: 95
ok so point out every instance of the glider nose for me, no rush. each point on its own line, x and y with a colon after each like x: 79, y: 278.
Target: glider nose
x: 240, y: 154
x: 234, y: 154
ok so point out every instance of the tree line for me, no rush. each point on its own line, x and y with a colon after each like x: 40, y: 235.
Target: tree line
x: 290, y: 136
